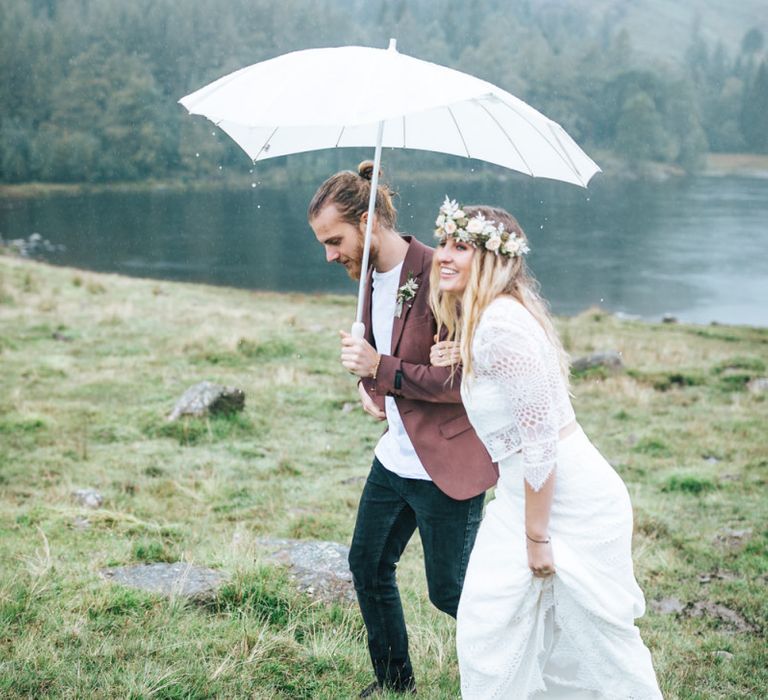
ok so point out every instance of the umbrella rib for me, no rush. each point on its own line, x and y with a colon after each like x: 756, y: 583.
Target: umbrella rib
x: 567, y: 155
x: 341, y: 133
x: 461, y: 136
x: 265, y: 145
x: 509, y: 138
x: 403, y: 118
x: 543, y: 135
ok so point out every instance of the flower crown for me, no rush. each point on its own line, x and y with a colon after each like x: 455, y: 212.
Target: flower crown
x: 477, y: 231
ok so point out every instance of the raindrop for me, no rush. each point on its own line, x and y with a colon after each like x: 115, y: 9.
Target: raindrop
x: 601, y: 300
x: 213, y: 133
x: 587, y: 198
x: 220, y: 168
x: 253, y: 184
x: 258, y: 206
x: 251, y: 171
x: 197, y: 155
x: 542, y: 227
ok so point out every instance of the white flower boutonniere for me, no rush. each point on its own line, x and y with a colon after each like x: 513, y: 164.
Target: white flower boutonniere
x: 406, y: 293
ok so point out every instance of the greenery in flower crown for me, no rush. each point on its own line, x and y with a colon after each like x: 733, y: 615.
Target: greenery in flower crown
x: 478, y: 231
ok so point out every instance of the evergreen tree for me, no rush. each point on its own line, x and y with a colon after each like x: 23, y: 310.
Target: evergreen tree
x: 754, y: 112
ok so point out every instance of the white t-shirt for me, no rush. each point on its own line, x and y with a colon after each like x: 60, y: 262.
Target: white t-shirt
x: 395, y: 449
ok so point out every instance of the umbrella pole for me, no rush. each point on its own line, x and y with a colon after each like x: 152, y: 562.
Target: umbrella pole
x: 358, y: 327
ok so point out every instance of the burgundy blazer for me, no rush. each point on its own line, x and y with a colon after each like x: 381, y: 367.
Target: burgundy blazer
x: 428, y: 402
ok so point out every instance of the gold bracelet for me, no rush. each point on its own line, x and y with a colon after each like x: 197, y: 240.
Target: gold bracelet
x: 547, y: 541
x: 376, y: 368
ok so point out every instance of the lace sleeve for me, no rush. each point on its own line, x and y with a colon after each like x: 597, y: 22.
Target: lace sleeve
x: 510, y: 355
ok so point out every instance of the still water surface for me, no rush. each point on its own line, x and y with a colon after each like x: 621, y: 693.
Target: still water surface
x: 695, y: 248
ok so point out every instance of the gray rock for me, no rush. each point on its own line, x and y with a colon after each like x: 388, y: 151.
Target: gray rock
x: 668, y: 318
x: 726, y: 655
x: 717, y: 575
x: 90, y: 498
x: 666, y: 606
x: 730, y: 619
x: 733, y: 539
x: 758, y: 385
x: 610, y: 360
x: 354, y: 480
x: 207, y: 398
x: 33, y: 246
x: 180, y: 578
x: 81, y: 523
x: 348, y: 407
x: 319, y: 569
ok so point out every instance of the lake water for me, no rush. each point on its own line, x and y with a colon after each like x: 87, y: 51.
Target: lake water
x: 695, y: 248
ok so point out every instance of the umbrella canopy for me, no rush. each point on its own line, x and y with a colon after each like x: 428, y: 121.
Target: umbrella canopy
x: 356, y: 96
x: 329, y: 98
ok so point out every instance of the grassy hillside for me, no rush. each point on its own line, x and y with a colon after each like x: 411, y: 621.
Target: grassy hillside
x: 89, y: 366
x: 662, y: 28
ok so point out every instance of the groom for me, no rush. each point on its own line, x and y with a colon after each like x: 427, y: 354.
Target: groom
x: 429, y: 470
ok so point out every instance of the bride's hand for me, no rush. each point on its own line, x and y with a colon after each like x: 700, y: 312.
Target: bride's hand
x: 540, y: 559
x: 445, y: 353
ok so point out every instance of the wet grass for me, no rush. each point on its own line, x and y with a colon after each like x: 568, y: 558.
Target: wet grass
x: 91, y: 365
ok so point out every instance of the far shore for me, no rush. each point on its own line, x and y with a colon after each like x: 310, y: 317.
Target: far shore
x: 717, y: 165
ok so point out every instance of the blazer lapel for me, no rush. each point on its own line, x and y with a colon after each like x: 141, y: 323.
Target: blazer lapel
x: 367, y: 313
x: 412, y: 264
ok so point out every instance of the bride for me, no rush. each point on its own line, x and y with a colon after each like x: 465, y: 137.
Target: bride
x: 550, y: 597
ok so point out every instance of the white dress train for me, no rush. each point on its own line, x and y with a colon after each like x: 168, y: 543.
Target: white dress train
x: 571, y: 635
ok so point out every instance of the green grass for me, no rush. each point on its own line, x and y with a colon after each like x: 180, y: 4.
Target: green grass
x: 90, y: 366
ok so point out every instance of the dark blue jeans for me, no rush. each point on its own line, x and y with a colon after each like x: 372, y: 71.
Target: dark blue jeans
x: 390, y: 509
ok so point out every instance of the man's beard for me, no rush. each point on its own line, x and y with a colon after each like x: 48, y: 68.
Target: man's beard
x: 354, y: 263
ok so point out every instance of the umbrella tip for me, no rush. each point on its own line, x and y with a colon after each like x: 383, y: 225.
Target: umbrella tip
x: 392, y: 45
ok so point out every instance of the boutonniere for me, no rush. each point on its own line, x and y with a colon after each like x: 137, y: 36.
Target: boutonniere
x: 406, y: 293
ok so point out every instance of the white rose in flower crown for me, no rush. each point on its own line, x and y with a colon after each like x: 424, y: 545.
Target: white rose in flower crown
x: 458, y: 214
x: 440, y: 220
x: 450, y: 227
x: 475, y: 225
x: 512, y: 246
x: 493, y: 243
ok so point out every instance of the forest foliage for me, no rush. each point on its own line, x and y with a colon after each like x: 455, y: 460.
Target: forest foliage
x: 89, y: 88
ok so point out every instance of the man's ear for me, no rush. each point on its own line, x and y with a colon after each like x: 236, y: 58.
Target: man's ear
x: 363, y: 221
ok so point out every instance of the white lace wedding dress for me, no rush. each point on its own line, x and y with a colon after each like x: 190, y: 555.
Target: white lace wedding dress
x: 571, y: 635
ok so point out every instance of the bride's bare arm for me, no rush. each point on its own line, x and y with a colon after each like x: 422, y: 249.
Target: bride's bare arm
x: 538, y: 505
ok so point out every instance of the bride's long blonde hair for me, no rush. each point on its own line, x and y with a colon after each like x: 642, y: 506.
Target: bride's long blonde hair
x: 491, y: 275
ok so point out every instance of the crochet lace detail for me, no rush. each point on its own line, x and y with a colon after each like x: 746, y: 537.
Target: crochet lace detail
x: 517, y: 399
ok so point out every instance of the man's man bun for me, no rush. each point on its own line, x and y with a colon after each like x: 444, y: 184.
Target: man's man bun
x: 365, y: 170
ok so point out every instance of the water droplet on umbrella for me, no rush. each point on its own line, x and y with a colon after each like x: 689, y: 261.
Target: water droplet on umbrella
x: 197, y: 155
x: 587, y: 198
x: 542, y: 227
x: 253, y: 184
x: 258, y: 206
x: 213, y: 133
x: 251, y: 171
x: 601, y: 300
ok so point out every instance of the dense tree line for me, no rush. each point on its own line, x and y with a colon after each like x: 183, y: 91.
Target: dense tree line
x: 88, y: 88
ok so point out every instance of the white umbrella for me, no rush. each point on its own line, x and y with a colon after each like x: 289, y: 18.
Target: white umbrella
x: 357, y: 96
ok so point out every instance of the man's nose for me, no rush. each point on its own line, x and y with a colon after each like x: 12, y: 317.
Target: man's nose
x: 331, y: 254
